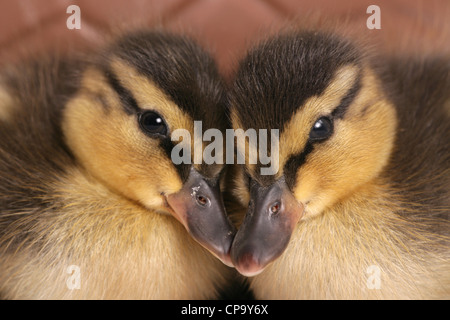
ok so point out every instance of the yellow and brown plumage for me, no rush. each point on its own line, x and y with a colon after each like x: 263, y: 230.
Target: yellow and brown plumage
x: 364, y: 171
x: 86, y: 176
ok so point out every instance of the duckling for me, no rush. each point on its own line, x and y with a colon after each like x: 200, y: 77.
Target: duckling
x: 92, y: 205
x: 359, y: 208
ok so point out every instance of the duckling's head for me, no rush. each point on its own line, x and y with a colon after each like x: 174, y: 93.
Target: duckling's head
x: 336, y: 131
x: 119, y: 126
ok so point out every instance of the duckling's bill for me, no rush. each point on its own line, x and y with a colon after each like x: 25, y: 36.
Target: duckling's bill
x: 199, y: 207
x: 272, y: 215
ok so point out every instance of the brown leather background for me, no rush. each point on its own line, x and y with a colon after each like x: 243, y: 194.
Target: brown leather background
x: 227, y: 27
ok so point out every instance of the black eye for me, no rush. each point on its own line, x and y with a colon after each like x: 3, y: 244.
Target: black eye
x: 153, y: 123
x: 322, y: 129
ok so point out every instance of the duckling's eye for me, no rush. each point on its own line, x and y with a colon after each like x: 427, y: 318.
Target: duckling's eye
x: 153, y: 123
x: 321, y: 130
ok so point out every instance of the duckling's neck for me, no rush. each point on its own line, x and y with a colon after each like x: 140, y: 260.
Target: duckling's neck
x: 122, y: 250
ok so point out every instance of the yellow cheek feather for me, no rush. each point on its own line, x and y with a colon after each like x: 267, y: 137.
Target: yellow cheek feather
x: 7, y: 103
x: 239, y: 186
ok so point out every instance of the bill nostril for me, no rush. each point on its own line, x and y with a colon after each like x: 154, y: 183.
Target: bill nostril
x: 202, y: 201
x: 275, y: 208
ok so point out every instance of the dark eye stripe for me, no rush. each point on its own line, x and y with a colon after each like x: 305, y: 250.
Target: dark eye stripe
x: 341, y: 109
x: 294, y: 162
x: 129, y: 103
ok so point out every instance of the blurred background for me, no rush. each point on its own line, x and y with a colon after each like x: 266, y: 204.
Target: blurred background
x: 226, y: 27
